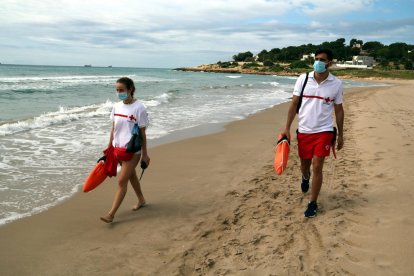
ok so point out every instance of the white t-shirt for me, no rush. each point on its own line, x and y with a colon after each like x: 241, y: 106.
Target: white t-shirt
x: 316, y: 112
x: 125, y: 117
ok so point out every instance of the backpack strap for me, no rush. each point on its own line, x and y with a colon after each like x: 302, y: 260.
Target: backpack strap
x: 301, y: 93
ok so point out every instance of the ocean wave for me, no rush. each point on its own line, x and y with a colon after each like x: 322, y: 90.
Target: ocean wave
x: 158, y: 100
x: 53, y: 82
x: 58, y: 78
x: 63, y: 115
x: 272, y: 83
x: 233, y: 77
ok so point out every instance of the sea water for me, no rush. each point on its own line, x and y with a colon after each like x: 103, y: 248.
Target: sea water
x: 54, y: 120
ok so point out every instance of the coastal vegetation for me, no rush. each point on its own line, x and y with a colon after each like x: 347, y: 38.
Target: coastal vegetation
x: 391, y: 61
x: 399, y: 54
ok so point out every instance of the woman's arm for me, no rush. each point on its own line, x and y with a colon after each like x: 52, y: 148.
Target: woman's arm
x: 111, y: 135
x: 144, y: 149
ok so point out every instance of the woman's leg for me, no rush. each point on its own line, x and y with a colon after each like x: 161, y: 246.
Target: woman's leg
x: 137, y: 188
x: 128, y: 167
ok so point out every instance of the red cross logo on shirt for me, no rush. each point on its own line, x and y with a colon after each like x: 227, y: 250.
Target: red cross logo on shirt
x: 327, y: 100
x: 132, y: 118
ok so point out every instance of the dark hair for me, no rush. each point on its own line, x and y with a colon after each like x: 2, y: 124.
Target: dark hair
x: 129, y: 84
x: 328, y: 53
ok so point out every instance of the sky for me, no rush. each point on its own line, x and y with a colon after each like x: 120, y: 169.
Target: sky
x: 178, y: 33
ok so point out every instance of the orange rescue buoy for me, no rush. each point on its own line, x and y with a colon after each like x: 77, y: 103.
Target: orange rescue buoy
x: 281, y: 154
x: 95, y: 178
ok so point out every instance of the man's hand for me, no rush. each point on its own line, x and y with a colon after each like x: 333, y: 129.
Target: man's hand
x: 340, y: 142
x: 286, y: 132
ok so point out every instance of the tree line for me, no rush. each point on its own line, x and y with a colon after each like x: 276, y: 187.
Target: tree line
x: 398, y: 53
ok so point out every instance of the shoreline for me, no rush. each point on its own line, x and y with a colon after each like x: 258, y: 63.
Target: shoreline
x: 215, y: 205
x: 175, y: 136
x: 238, y: 70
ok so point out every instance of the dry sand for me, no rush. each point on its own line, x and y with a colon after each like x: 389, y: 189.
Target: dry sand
x: 216, y: 207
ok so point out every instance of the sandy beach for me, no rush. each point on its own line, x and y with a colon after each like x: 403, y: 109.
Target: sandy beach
x: 215, y: 206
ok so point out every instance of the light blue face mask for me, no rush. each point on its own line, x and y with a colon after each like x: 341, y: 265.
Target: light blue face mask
x: 122, y: 96
x: 319, y: 66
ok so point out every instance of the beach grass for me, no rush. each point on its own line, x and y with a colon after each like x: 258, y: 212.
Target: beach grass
x: 375, y: 73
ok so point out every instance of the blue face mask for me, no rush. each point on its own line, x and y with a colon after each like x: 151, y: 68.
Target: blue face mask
x: 319, y: 66
x: 122, y: 96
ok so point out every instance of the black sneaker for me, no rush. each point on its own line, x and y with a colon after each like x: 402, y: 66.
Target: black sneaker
x: 311, y: 210
x: 305, y: 184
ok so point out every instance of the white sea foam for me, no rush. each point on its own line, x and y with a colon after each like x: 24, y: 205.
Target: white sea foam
x: 86, y: 78
x: 58, y: 117
x: 11, y: 216
x: 158, y: 100
x: 233, y: 77
x: 272, y: 83
x: 55, y: 82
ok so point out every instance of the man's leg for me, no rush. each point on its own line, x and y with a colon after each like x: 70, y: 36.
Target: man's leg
x: 305, y: 168
x: 317, y: 166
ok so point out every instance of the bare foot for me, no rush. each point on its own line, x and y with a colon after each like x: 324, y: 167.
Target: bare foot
x: 139, y: 206
x: 108, y: 218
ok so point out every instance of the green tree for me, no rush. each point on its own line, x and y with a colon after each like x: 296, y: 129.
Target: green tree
x: 372, y: 47
x: 352, y: 42
x: 274, y: 54
x: 250, y: 59
x: 410, y: 53
x: 408, y: 65
x: 339, y: 43
x: 268, y: 62
x: 383, y: 53
x: 242, y: 56
x: 263, y: 55
x: 250, y: 65
x: 290, y: 53
x: 397, y: 50
x: 276, y: 68
x: 299, y: 64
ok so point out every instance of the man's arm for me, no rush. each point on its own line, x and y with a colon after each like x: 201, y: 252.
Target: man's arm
x: 291, y: 115
x: 340, y: 115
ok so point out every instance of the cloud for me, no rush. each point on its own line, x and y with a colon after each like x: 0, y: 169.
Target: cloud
x: 179, y: 31
x: 329, y: 8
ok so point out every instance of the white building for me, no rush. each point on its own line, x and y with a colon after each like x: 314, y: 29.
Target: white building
x: 358, y: 62
x: 307, y: 57
x: 363, y: 60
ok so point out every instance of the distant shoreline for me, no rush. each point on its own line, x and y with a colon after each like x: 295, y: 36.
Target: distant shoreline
x: 238, y: 70
x: 357, y: 74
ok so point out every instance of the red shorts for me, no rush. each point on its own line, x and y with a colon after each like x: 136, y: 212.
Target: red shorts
x: 122, y: 155
x: 318, y: 144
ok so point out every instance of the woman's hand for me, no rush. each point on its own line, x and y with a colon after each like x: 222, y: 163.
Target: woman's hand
x: 145, y: 158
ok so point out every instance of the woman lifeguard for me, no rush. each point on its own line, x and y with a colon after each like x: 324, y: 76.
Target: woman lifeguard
x: 125, y: 114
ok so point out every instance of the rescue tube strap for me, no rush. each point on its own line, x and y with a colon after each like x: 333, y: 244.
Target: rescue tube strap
x: 284, y: 137
x: 301, y: 93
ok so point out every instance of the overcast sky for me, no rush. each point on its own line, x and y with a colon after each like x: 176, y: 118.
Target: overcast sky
x: 174, y: 33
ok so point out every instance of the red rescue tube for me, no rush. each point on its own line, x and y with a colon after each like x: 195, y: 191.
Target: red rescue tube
x: 95, y: 178
x: 281, y: 154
